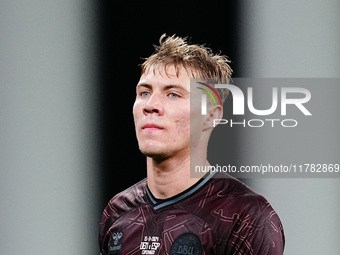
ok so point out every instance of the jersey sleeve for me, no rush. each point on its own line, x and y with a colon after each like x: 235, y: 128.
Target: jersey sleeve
x: 258, y: 232
x: 119, y: 205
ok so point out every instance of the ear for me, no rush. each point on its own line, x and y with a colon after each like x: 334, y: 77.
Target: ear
x: 214, y: 116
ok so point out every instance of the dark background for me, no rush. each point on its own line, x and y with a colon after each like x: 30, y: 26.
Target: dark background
x: 128, y: 32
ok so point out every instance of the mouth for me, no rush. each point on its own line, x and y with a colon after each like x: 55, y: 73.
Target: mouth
x: 151, y: 127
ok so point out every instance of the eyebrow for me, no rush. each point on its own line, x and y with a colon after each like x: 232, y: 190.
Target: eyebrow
x: 166, y: 87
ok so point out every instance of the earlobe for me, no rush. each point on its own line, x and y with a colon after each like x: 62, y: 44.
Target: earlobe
x: 213, y: 117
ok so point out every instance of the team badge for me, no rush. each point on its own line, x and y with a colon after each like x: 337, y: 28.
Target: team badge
x: 186, y: 244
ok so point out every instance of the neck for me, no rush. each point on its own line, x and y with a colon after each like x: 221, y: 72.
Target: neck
x: 169, y: 177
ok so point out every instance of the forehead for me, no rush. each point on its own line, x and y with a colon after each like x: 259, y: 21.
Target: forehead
x: 161, y: 76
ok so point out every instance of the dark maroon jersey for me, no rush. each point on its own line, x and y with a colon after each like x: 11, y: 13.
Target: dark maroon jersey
x: 217, y: 215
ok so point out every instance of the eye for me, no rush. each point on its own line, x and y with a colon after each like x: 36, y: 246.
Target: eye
x: 173, y: 95
x: 145, y: 94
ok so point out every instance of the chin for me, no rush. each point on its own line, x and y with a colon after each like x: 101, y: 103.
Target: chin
x: 154, y: 152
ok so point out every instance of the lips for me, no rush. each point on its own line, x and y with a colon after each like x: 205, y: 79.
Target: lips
x: 151, y: 127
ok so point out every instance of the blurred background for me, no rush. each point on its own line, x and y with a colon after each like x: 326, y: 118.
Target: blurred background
x: 68, y: 71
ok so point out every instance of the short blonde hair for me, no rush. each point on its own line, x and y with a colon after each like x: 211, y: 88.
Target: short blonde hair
x: 199, y: 60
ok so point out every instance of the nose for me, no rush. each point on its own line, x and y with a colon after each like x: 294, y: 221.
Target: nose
x: 153, y: 105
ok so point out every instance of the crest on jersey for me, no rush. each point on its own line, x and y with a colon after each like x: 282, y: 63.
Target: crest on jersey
x: 115, y: 245
x: 186, y: 244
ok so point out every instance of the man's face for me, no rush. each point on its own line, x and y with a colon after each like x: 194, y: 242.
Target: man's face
x: 162, y: 113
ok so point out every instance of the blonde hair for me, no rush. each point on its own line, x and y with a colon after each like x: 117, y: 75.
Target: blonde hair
x: 199, y: 60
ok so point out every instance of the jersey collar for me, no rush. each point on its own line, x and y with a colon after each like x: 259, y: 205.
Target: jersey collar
x: 161, y: 203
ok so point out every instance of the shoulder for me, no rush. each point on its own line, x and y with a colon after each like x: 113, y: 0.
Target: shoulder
x: 235, y: 194
x: 255, y: 224
x: 125, y: 201
x: 244, y: 203
x: 121, y: 204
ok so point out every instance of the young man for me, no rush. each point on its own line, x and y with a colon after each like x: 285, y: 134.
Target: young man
x: 171, y: 212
